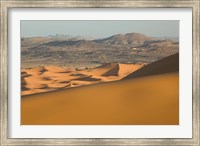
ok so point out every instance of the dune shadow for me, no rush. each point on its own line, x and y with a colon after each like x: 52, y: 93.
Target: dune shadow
x: 162, y: 66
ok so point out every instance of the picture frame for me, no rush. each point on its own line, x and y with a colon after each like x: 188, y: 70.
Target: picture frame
x: 4, y: 91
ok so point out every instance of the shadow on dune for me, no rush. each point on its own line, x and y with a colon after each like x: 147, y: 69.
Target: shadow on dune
x: 113, y: 72
x: 165, y: 65
x: 88, y: 78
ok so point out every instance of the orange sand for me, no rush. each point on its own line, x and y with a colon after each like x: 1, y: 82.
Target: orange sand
x: 145, y: 96
x: 49, y: 78
x: 146, y: 100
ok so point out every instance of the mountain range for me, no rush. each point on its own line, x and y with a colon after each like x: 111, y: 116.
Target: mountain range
x: 79, y: 51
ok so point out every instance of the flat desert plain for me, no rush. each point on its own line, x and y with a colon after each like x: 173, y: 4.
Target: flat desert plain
x: 112, y: 94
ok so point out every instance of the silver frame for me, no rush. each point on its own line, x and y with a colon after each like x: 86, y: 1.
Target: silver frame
x: 6, y: 4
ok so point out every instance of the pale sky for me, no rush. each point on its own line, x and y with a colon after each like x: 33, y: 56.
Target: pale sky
x: 99, y: 28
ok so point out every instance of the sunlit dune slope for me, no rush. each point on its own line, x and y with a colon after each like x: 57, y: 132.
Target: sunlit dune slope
x: 148, y: 100
x: 165, y: 65
x: 49, y: 78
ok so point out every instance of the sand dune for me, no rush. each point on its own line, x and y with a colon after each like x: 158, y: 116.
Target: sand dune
x: 35, y: 71
x: 165, y: 65
x: 152, y: 99
x: 112, y: 72
x: 147, y: 100
x: 48, y: 78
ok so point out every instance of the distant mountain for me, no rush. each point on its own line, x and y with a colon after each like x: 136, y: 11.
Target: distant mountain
x: 61, y: 36
x: 70, y: 37
x: 129, y: 39
x: 120, y: 48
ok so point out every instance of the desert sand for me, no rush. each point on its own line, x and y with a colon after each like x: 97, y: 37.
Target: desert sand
x: 49, y: 78
x: 151, y: 98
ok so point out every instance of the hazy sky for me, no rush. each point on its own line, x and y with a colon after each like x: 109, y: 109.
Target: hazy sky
x: 99, y: 28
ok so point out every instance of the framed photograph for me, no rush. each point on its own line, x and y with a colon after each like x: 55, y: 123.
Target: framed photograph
x: 100, y: 72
